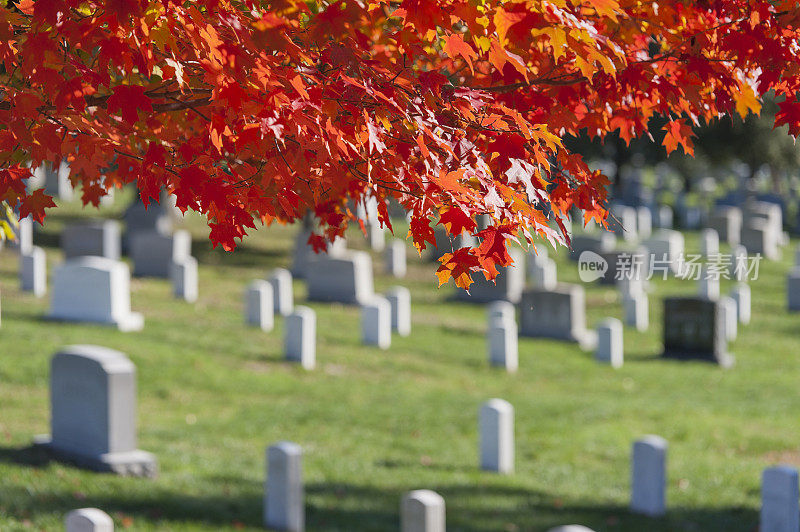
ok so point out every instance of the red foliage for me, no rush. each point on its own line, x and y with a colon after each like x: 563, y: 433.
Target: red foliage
x: 250, y: 111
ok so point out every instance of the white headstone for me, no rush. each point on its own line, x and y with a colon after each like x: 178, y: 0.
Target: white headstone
x: 501, y: 310
x: 609, y: 348
x: 780, y: 511
x: 665, y: 248
x: 183, y: 274
x: 729, y: 317
x: 759, y: 236
x: 622, y: 220
x: 283, y: 297
x: 153, y: 253
x: 422, y: 511
x: 503, y: 343
x: 376, y: 322
x: 345, y: 278
x: 709, y: 242
x: 558, y: 313
x: 284, y: 506
x: 649, y: 476
x: 535, y: 258
x: 93, y: 411
x: 24, y: 241
x: 727, y: 222
x: 741, y: 294
x: 303, y: 254
x: 545, y: 274
x: 664, y: 217
x: 55, y: 179
x: 400, y: 300
x: 99, y: 238
x: 94, y: 289
x: 376, y: 236
x: 738, y: 266
x: 496, y: 422
x: 88, y: 520
x: 395, y: 257
x: 644, y: 222
x: 570, y: 528
x: 259, y: 304
x: 633, y: 285
x: 708, y: 286
x: 300, y: 342
x: 33, y: 271
x: 637, y: 311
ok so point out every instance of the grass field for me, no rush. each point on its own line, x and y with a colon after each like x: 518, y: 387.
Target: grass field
x: 214, y: 393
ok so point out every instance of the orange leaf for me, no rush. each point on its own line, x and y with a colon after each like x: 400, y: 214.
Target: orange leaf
x: 455, y: 46
x: 678, y: 132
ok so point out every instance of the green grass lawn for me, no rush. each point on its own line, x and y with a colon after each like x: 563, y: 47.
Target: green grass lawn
x: 374, y: 424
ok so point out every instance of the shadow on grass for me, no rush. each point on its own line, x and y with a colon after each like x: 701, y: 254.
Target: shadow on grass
x: 343, y: 506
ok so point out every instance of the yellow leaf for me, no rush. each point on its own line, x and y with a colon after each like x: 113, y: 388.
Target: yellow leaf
x: 746, y: 101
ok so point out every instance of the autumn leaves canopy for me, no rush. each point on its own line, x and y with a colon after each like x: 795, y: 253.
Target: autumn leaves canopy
x: 252, y: 111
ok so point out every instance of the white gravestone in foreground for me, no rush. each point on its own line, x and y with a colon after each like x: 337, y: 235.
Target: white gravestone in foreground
x: 422, y: 511
x: 496, y: 422
x: 93, y: 411
x: 284, y: 507
x: 88, y: 520
x: 94, y: 289
x: 649, y: 476
x: 780, y: 511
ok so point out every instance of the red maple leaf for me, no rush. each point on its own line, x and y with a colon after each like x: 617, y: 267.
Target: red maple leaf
x: 789, y: 114
x: 456, y: 221
x: 34, y: 205
x: 128, y: 99
x: 459, y: 265
x: 678, y: 132
x: 492, y: 251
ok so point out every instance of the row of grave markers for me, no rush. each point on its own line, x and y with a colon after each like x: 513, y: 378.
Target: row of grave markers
x: 93, y: 413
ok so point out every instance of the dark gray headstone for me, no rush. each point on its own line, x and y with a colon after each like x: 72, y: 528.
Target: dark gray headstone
x: 694, y: 329
x: 99, y: 238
